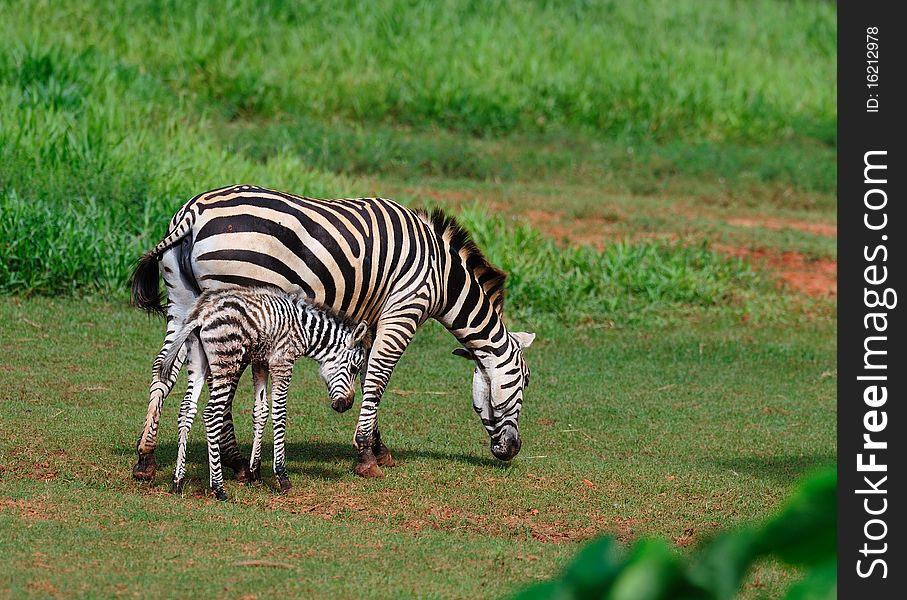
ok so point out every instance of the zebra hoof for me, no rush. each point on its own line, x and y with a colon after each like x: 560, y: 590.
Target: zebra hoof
x: 285, y: 485
x: 220, y: 494
x: 370, y: 470
x: 145, y: 468
x: 383, y: 457
x: 177, y: 486
x: 254, y: 476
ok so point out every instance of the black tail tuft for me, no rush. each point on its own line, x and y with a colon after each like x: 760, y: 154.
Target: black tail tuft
x: 146, y: 293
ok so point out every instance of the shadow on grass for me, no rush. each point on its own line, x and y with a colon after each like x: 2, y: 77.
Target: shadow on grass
x: 336, y: 459
x: 780, y: 468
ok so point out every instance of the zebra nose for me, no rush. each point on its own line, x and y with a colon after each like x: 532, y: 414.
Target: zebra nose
x: 343, y: 404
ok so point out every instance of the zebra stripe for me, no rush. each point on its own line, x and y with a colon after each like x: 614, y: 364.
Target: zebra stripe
x: 369, y: 258
x: 226, y: 330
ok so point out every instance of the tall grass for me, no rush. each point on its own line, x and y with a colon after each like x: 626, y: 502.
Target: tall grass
x: 92, y: 248
x: 624, y: 281
x: 113, y: 113
x: 652, y: 68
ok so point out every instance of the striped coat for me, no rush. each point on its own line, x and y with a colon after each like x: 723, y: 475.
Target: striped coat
x: 369, y: 258
x: 270, y: 330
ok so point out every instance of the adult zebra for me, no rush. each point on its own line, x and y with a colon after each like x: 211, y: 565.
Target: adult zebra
x: 369, y: 258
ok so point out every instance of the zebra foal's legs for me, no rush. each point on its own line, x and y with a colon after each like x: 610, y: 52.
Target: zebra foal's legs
x: 280, y: 383
x: 223, y: 388
x: 198, y: 372
x: 259, y: 419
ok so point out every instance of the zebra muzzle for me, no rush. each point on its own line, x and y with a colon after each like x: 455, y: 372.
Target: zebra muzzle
x: 343, y: 404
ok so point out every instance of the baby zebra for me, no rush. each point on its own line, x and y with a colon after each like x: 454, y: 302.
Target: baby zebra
x: 269, y: 329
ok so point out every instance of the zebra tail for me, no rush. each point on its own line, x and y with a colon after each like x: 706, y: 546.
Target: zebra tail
x: 175, y: 347
x: 146, y: 293
x: 145, y: 284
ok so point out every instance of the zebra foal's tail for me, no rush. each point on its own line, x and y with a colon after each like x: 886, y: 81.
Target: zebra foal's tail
x: 175, y: 347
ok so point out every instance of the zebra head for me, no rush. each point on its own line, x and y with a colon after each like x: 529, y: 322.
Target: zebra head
x: 497, y: 391
x: 341, y: 364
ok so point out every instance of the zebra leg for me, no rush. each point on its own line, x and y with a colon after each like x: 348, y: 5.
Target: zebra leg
x: 392, y: 336
x: 382, y: 453
x: 146, y: 466
x: 222, y: 391
x: 280, y: 383
x: 197, y: 370
x: 180, y: 300
x: 229, y: 449
x: 259, y: 418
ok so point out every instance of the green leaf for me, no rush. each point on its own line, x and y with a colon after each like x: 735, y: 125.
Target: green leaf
x: 546, y: 590
x: 595, y: 568
x: 651, y: 572
x: 721, y: 566
x: 821, y: 583
x: 805, y: 532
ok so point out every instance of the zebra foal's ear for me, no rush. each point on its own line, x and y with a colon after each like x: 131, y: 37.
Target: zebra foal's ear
x: 464, y: 353
x: 360, y: 335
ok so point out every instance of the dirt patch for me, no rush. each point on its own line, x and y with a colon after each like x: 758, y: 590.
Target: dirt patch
x: 592, y: 230
x: 34, y: 509
x: 23, y: 465
x: 453, y: 197
x: 384, y: 503
x: 776, y: 223
x: 817, y: 278
x: 624, y: 528
x: 347, y: 501
x: 687, y: 538
x: 41, y: 471
x: 44, y: 588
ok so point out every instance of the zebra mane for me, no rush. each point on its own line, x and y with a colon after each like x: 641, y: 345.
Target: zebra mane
x: 489, y: 277
x: 335, y: 315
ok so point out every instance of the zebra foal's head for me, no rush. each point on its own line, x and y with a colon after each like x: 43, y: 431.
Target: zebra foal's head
x: 497, y: 391
x: 341, y: 363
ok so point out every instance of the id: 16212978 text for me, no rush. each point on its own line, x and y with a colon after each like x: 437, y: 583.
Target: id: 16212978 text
x: 872, y: 69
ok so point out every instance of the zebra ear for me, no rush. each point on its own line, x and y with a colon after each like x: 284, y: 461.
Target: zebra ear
x: 359, y: 334
x: 523, y: 339
x: 464, y: 352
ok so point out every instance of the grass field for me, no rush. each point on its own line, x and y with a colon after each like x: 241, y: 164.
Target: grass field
x: 652, y: 175
x: 672, y: 431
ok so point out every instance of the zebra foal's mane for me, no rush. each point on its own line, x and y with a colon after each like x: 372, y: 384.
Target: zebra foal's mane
x: 489, y: 277
x: 329, y: 312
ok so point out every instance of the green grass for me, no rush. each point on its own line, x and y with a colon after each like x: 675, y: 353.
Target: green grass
x: 690, y: 430
x: 641, y: 167
x: 112, y: 115
x: 654, y: 69
x: 675, y: 391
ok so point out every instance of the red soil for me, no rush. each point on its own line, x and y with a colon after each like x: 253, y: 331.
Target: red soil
x: 817, y: 278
